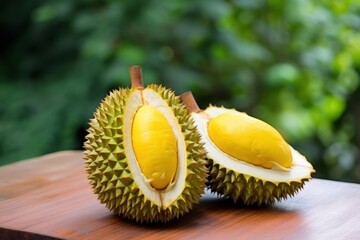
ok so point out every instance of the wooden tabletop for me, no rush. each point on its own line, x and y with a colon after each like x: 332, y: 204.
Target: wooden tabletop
x: 49, y: 197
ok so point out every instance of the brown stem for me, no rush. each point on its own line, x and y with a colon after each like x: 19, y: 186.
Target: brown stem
x: 188, y: 99
x: 136, y: 77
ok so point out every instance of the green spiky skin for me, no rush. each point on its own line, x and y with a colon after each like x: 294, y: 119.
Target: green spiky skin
x: 107, y: 164
x: 247, y: 189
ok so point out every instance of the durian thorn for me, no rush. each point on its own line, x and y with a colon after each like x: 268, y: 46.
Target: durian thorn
x: 188, y: 99
x: 136, y: 77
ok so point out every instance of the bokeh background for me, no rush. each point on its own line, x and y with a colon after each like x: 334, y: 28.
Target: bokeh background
x: 294, y: 64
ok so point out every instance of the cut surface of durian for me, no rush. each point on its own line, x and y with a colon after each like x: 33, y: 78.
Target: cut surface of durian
x: 300, y: 168
x: 161, y: 197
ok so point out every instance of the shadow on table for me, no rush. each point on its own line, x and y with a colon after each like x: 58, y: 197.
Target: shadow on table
x: 210, y: 209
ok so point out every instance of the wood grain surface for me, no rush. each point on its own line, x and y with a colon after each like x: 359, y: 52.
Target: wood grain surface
x: 49, y: 198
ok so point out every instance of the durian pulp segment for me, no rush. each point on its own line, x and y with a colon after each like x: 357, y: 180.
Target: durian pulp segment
x: 300, y: 167
x: 155, y: 146
x: 166, y: 196
x: 250, y: 140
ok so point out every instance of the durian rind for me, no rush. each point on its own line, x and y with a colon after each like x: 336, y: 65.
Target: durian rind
x: 248, y: 189
x: 107, y: 164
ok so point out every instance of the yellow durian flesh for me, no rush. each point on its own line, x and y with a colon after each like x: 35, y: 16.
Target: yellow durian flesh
x: 250, y: 140
x: 155, y: 146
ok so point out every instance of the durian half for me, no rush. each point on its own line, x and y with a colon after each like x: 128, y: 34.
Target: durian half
x: 143, y: 155
x: 249, y: 161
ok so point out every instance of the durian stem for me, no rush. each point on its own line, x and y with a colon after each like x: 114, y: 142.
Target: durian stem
x: 188, y: 99
x: 136, y: 77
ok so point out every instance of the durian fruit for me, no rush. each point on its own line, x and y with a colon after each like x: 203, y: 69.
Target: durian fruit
x: 249, y: 161
x: 143, y: 155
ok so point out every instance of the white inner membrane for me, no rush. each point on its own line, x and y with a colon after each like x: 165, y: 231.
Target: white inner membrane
x: 300, y: 167
x: 164, y: 197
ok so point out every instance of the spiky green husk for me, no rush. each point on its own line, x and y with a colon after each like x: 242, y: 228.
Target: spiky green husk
x: 247, y: 189
x: 107, y: 164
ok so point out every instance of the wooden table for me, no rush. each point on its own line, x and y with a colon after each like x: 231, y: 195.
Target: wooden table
x: 49, y: 197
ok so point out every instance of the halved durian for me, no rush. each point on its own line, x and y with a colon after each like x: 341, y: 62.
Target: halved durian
x: 249, y: 160
x: 143, y: 155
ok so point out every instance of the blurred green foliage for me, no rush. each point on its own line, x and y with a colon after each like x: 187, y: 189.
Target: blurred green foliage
x: 294, y: 64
